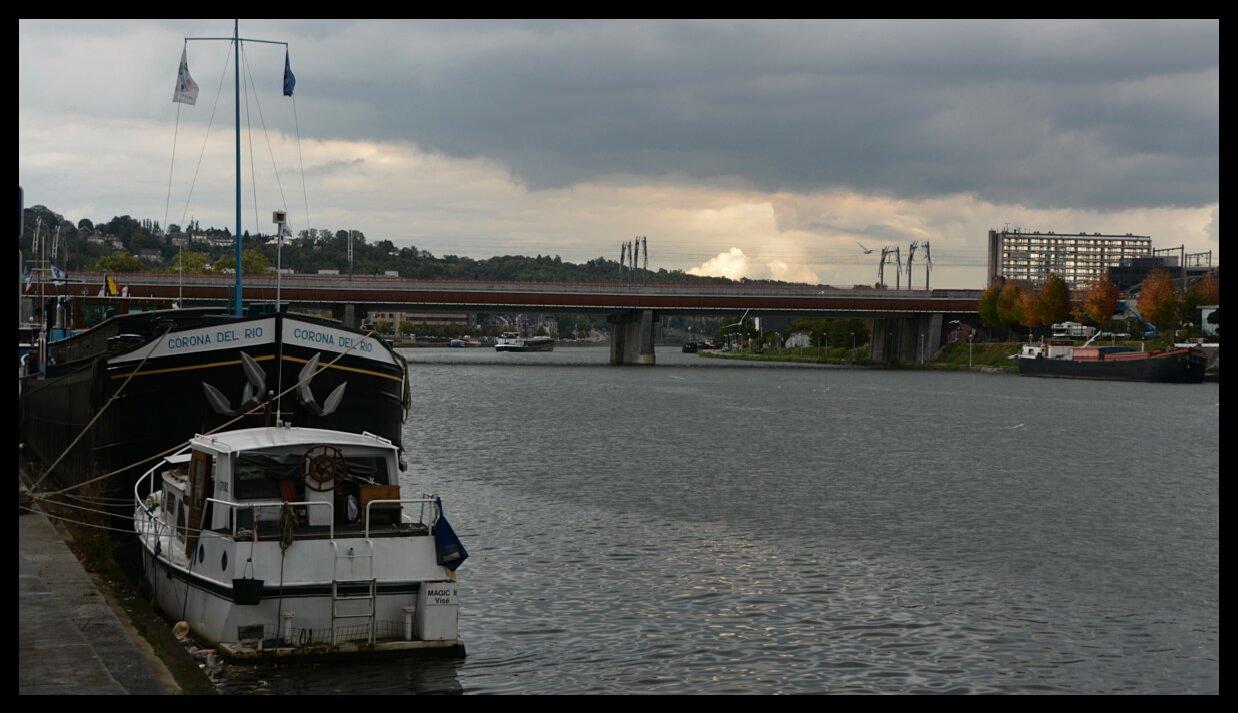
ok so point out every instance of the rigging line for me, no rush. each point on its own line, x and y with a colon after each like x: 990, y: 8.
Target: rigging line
x: 249, y: 131
x: 183, y: 444
x: 297, y: 123
x: 168, y: 203
x: 265, y: 133
x: 209, y: 124
x: 154, y: 343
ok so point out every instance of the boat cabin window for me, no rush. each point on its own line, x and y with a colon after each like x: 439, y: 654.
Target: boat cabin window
x: 257, y: 476
x: 180, y: 522
x: 254, y: 481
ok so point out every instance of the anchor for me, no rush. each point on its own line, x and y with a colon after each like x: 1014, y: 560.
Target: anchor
x: 255, y: 387
x: 306, y: 397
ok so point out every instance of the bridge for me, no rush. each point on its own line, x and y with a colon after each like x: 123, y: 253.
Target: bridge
x: 908, y: 325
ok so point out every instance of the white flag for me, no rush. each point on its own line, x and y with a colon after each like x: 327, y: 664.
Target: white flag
x: 186, y: 88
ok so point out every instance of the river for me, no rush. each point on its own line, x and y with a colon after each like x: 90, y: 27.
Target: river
x: 733, y: 527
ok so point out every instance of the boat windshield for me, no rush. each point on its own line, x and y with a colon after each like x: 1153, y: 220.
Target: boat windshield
x: 258, y: 475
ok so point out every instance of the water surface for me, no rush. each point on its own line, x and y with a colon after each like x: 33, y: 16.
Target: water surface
x: 736, y: 527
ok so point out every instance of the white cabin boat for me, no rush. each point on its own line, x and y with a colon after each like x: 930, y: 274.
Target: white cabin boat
x: 285, y: 541
x: 513, y: 342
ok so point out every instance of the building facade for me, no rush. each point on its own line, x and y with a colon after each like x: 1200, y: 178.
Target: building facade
x: 1078, y: 258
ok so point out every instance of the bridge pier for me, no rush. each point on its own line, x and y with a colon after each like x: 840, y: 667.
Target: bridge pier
x: 631, y: 338
x: 912, y: 339
x: 350, y: 314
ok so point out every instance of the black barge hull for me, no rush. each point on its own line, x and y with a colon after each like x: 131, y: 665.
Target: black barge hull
x: 166, y: 402
x: 1178, y: 369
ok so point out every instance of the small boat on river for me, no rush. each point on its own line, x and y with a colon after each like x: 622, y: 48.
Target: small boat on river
x: 513, y: 342
x: 281, y: 542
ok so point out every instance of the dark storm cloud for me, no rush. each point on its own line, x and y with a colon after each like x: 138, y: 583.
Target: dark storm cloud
x: 1046, y: 114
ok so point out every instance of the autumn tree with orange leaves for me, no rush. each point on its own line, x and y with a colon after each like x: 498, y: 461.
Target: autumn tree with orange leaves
x: 1029, y: 308
x: 1206, y: 291
x: 1053, y: 303
x: 1009, y: 301
x: 1101, y: 301
x: 1159, y: 302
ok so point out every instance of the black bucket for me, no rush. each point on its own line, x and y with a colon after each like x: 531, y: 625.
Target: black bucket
x: 247, y: 592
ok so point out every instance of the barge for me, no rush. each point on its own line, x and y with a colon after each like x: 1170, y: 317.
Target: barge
x: 165, y: 375
x: 1112, y: 363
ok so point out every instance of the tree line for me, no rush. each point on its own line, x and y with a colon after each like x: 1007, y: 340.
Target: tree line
x: 1009, y: 304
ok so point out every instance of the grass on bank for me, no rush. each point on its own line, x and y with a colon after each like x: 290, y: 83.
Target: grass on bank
x: 804, y: 355
x: 986, y: 355
x: 992, y: 355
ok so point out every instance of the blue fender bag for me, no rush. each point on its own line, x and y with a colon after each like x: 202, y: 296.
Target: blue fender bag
x: 449, y: 550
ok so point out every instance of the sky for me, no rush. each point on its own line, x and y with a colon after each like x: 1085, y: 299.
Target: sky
x: 739, y: 148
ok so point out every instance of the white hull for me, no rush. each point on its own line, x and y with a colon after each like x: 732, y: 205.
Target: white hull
x: 215, y: 620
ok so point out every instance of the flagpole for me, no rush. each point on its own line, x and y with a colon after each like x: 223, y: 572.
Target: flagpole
x: 236, y: 48
x: 279, y: 276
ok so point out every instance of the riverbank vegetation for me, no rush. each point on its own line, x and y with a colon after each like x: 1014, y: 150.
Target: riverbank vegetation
x: 802, y: 355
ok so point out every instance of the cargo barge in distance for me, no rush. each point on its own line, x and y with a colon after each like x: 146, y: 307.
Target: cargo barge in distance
x: 513, y: 342
x: 1112, y: 363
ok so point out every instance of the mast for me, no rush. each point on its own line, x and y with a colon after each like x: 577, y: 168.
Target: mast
x: 235, y: 39
x: 236, y: 65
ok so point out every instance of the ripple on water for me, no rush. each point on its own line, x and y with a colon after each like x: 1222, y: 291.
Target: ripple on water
x: 745, y: 531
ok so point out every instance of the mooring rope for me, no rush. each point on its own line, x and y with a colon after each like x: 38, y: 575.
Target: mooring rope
x: 77, y: 522
x: 90, y: 425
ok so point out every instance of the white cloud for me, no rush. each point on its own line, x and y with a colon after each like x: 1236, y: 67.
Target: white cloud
x: 732, y: 264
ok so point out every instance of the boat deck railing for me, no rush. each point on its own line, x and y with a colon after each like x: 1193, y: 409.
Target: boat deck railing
x: 421, y: 526
x: 421, y: 518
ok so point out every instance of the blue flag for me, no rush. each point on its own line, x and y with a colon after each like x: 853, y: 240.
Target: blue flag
x: 290, y: 81
x: 448, y: 548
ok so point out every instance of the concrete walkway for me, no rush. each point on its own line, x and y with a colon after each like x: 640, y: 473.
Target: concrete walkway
x: 70, y: 640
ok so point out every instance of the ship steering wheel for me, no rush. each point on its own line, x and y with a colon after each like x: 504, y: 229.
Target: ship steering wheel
x: 324, y: 470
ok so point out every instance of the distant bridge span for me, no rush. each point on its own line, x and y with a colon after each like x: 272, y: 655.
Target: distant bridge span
x: 899, y: 315
x: 396, y: 294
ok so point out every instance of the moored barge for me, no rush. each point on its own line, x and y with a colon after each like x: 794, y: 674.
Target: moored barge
x: 194, y: 370
x: 1113, y: 363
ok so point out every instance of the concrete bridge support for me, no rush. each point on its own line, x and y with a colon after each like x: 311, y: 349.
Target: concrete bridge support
x: 911, y: 339
x: 350, y: 314
x: 631, y: 338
